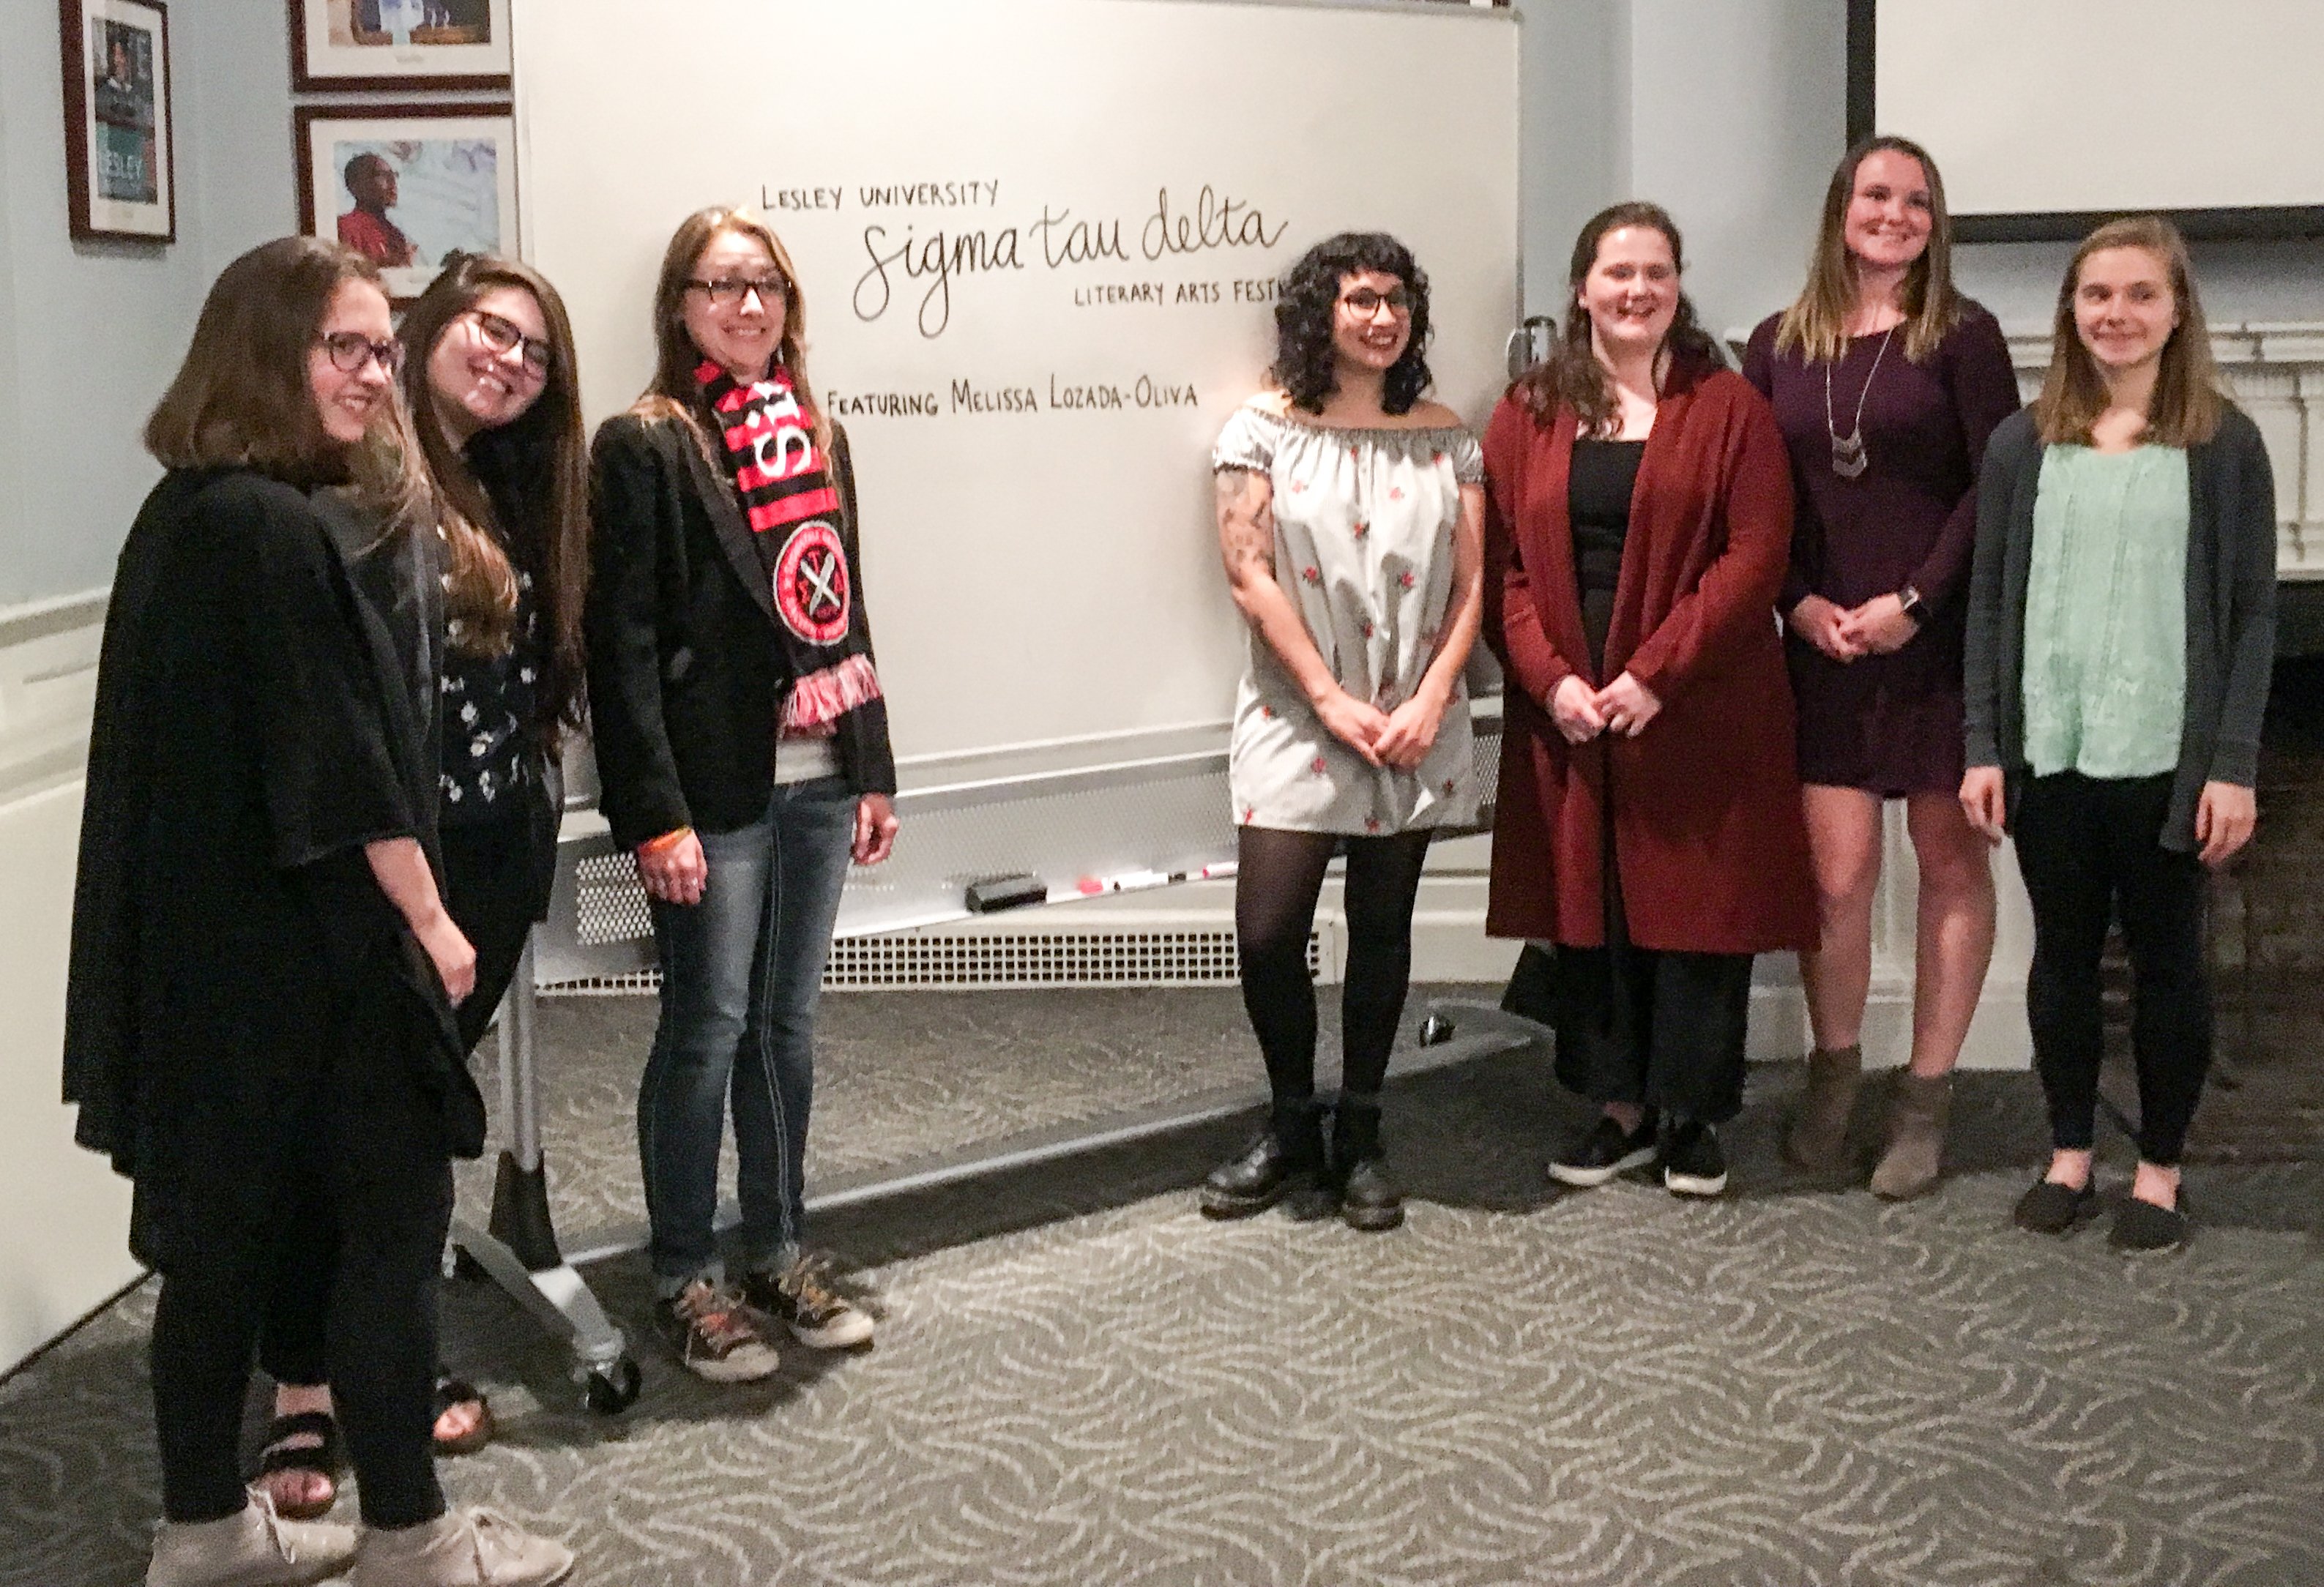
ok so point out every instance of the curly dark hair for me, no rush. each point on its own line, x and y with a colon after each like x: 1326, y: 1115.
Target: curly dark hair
x: 1307, y: 300
x: 1571, y: 374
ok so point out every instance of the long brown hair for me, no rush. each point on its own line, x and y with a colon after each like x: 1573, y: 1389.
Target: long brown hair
x: 543, y: 456
x: 242, y: 397
x: 1571, y: 374
x: 1817, y: 324
x: 674, y: 393
x: 2188, y: 390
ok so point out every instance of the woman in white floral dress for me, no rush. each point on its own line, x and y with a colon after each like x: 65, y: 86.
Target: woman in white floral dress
x: 1350, y: 517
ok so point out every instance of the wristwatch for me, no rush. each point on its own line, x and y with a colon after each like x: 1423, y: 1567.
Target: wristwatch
x: 1908, y: 602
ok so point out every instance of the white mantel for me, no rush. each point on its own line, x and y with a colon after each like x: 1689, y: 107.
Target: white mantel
x: 2277, y: 372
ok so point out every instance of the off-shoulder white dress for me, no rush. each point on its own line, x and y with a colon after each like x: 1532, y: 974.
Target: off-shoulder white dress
x: 1364, y: 522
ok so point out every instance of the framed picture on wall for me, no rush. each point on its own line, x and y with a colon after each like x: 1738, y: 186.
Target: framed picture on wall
x: 118, y: 158
x: 399, y: 45
x: 409, y: 184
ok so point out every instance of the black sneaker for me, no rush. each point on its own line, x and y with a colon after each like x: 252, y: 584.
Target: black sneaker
x: 714, y: 1335
x: 1692, y: 1164
x: 2052, y: 1208
x: 1606, y: 1151
x: 800, y: 1297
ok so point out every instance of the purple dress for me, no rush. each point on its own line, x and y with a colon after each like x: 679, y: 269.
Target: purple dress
x: 1890, y: 725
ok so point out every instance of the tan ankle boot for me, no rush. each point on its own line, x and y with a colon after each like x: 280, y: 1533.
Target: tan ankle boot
x: 1818, y: 1138
x: 460, y: 1548
x: 1918, y: 1112
x: 252, y: 1548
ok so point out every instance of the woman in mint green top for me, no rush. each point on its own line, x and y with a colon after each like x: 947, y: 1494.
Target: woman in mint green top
x: 2121, y: 630
x: 2105, y: 612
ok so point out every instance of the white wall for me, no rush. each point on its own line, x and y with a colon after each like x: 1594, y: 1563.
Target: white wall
x: 90, y: 335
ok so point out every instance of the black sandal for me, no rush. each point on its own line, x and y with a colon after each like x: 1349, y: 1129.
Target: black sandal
x: 451, y: 1391
x: 326, y: 1459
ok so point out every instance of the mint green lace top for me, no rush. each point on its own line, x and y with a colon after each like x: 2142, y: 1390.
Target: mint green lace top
x: 2105, y: 612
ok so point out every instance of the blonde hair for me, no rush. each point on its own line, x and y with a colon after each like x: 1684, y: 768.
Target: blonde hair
x: 242, y: 397
x: 674, y: 393
x: 1817, y: 323
x: 2189, y: 393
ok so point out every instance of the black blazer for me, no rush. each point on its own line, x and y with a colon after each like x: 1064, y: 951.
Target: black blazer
x: 688, y: 672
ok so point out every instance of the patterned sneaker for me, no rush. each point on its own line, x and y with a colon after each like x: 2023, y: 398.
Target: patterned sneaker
x: 800, y: 1297
x: 714, y: 1335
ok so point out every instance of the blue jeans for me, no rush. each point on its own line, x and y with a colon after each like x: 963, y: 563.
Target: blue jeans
x: 740, y: 971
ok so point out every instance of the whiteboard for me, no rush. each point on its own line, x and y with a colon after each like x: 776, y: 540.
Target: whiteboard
x: 2072, y: 107
x: 1036, y: 240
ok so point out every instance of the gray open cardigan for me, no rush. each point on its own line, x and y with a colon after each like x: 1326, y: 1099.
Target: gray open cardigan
x: 2230, y: 610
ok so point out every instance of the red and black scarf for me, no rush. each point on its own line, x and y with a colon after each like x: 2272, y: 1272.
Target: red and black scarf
x: 793, y: 508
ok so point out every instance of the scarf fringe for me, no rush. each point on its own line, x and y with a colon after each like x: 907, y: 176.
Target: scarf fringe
x: 820, y: 699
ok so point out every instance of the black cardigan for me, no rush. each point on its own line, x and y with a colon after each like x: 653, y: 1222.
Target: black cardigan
x: 687, y: 672
x: 2230, y: 610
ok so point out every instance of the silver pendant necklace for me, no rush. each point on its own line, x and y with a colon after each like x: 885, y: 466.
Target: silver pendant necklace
x: 1848, y: 458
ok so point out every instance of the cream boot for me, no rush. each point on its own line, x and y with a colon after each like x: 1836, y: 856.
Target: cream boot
x: 1918, y: 1114
x: 253, y: 1547
x: 460, y: 1548
x: 1817, y: 1136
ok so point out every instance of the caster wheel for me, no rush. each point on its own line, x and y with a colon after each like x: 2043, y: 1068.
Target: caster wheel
x: 1435, y: 1031
x: 610, y: 1391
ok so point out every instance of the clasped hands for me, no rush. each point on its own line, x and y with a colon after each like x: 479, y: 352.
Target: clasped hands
x: 1624, y: 706
x: 673, y: 868
x: 1401, y: 737
x: 1880, y: 626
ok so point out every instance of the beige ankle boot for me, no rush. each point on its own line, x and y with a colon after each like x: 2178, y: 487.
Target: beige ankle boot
x: 253, y: 1547
x: 1917, y: 1116
x: 1818, y: 1137
x: 460, y: 1548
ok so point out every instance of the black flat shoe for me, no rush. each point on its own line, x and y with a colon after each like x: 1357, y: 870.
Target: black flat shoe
x: 1284, y: 1158
x: 2052, y: 1208
x: 2141, y: 1225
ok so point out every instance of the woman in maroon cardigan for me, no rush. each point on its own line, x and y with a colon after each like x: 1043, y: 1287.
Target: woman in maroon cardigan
x: 1649, y: 826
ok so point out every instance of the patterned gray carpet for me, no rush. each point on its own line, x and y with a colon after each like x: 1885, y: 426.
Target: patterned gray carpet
x: 1081, y: 1380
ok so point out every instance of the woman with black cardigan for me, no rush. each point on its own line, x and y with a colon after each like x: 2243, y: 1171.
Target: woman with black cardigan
x: 2121, y: 633
x: 742, y: 751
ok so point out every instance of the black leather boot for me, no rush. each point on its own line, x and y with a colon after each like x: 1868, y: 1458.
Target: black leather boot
x: 1368, y: 1199
x: 1285, y: 1158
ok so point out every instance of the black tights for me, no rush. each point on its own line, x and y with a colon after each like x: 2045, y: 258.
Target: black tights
x: 1276, y: 879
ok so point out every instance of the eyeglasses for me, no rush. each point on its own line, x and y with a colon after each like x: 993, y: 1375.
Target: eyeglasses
x: 727, y: 291
x: 503, y: 337
x: 351, y: 350
x: 1366, y: 303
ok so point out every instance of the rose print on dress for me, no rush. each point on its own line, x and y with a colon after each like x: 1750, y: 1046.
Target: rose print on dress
x: 1319, y: 765
x: 1361, y: 528
x: 1405, y: 580
x: 1311, y: 574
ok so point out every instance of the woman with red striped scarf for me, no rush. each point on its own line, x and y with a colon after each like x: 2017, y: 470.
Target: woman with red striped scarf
x: 742, y: 749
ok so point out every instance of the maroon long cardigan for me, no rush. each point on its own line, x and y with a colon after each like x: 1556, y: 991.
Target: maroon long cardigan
x: 1709, y: 839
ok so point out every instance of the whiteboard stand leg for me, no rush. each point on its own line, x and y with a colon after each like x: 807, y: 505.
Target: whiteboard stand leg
x: 517, y: 1248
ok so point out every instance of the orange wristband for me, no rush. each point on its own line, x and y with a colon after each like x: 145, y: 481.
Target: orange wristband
x: 667, y: 840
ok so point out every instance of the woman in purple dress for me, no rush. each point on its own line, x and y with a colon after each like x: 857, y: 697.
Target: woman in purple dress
x: 1887, y: 383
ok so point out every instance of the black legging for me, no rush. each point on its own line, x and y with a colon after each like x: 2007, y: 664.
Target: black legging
x: 366, y: 1249
x: 1276, y: 880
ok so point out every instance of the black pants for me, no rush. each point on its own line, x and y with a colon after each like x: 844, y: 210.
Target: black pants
x: 1664, y: 1030
x: 2090, y: 848
x: 1278, y: 877
x: 356, y: 1237
x: 496, y: 884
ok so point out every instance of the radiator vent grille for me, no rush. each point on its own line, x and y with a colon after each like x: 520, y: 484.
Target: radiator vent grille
x: 1188, y: 956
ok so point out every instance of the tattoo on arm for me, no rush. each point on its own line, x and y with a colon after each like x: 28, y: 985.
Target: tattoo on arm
x: 1245, y: 522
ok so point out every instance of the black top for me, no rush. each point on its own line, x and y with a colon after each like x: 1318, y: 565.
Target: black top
x: 487, y: 702
x: 688, y: 666
x: 1598, y: 500
x: 253, y: 729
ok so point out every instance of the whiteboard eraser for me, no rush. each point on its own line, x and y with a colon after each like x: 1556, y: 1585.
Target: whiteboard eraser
x: 997, y: 892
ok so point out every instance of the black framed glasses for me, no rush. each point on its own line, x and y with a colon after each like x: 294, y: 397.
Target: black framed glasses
x: 351, y: 350
x: 726, y: 292
x: 1365, y: 302
x: 503, y: 337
